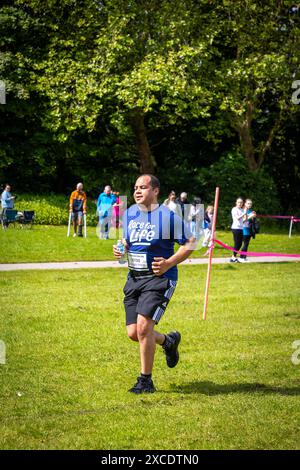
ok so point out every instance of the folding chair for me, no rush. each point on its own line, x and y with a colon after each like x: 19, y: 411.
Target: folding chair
x: 27, y: 218
x: 8, y: 217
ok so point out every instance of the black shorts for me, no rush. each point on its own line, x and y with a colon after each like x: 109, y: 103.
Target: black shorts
x: 148, y: 296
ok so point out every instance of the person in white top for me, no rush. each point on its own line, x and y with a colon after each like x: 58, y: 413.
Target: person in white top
x: 195, y: 218
x: 238, y: 215
x: 172, y: 204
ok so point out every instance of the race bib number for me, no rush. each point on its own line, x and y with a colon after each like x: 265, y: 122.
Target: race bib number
x: 137, y: 261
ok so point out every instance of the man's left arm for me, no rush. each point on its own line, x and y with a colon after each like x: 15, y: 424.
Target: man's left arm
x: 84, y: 203
x: 161, y: 265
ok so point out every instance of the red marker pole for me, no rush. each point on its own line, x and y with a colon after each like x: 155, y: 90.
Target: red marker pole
x: 213, y: 229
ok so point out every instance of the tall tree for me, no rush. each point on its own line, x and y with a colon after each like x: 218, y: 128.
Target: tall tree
x: 258, y: 58
x: 134, y: 61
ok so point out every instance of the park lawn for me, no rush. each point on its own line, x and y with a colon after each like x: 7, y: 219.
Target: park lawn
x: 69, y: 363
x: 49, y: 243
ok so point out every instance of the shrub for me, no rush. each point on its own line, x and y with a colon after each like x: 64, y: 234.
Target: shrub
x: 52, y: 209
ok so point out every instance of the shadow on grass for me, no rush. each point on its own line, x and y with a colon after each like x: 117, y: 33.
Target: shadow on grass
x: 294, y: 316
x: 228, y: 267
x: 211, y: 388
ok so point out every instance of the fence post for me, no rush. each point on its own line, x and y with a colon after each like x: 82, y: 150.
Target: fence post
x: 291, y: 226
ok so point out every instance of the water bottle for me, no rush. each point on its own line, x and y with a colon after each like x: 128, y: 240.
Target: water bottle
x: 121, y: 248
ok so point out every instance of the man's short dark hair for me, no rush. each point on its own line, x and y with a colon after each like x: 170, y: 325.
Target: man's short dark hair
x: 153, y: 180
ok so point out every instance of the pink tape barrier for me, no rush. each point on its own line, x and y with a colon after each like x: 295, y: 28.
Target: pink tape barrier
x: 276, y: 216
x: 291, y: 217
x: 254, y: 253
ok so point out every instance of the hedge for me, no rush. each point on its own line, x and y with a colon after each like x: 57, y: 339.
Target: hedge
x: 52, y: 209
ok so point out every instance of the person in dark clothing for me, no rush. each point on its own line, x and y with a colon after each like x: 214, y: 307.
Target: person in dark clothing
x: 184, y: 204
x: 248, y: 219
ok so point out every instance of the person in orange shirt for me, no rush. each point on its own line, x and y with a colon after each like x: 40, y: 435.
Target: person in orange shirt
x: 78, y: 208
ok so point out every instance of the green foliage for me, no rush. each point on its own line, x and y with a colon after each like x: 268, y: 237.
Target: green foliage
x: 232, y: 175
x: 52, y: 209
x: 77, y: 71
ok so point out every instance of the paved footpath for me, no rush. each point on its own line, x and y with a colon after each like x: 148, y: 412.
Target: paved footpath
x: 115, y: 264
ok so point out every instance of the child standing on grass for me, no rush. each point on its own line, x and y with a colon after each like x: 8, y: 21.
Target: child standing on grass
x: 207, y: 224
x: 248, y: 218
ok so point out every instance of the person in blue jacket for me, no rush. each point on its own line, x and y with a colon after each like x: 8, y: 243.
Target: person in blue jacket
x: 7, y: 202
x: 250, y: 214
x: 105, y: 203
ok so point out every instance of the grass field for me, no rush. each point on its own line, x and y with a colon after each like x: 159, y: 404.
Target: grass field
x: 49, y: 243
x: 69, y: 363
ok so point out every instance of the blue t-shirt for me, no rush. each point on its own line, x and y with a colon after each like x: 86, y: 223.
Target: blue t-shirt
x: 105, y: 203
x: 246, y: 229
x: 153, y: 234
x: 6, y: 201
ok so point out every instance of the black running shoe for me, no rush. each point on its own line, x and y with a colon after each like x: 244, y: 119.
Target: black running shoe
x: 143, y: 385
x: 171, y: 348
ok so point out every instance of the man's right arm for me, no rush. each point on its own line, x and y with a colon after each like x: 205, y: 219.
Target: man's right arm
x: 99, y: 201
x: 117, y: 253
x: 71, y: 202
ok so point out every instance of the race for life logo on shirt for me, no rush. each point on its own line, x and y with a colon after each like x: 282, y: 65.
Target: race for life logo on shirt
x: 149, y: 227
x: 151, y: 234
x: 139, y: 231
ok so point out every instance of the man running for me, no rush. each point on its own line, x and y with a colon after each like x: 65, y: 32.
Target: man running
x: 150, y: 231
x: 78, y: 208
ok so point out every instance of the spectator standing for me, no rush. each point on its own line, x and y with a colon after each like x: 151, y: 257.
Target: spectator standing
x: 248, y: 218
x: 237, y: 226
x: 7, y: 202
x: 117, y: 211
x: 196, y: 218
x: 171, y: 204
x: 207, y: 225
x: 105, y: 203
x: 78, y: 208
x: 184, y: 205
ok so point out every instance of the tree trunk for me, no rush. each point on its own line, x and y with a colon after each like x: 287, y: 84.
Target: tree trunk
x: 244, y: 130
x: 147, y: 161
x: 255, y: 156
x: 247, y: 146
